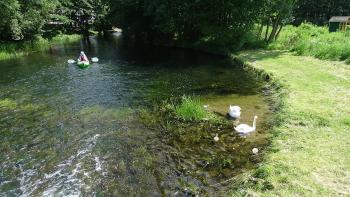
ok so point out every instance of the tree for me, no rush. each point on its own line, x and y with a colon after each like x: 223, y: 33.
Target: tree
x: 186, y: 21
x: 10, y: 18
x: 277, y: 13
x: 320, y: 11
x: 36, y: 14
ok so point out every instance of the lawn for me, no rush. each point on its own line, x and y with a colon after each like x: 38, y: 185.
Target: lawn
x: 309, y: 153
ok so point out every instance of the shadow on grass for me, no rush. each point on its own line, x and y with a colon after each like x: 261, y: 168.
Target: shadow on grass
x: 260, y: 55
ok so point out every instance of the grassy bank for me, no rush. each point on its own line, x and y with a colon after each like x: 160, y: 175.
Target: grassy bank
x: 314, y: 41
x: 14, y: 49
x: 310, y: 151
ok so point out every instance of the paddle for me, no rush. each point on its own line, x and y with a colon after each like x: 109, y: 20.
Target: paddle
x: 94, y: 59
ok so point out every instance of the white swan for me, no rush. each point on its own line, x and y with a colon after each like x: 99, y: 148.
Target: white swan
x: 234, y: 112
x: 94, y: 59
x: 245, y: 129
x: 216, y: 138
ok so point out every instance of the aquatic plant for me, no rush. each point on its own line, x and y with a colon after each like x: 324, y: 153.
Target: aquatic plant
x: 7, y: 104
x: 192, y: 109
x: 99, y: 113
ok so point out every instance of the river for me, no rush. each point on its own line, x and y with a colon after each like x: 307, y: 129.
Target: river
x: 67, y: 131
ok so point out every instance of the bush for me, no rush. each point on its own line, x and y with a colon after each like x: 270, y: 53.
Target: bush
x: 308, y: 39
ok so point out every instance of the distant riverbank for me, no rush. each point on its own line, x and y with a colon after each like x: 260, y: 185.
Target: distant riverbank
x: 10, y: 50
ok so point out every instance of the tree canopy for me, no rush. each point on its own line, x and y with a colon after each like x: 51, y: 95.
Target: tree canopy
x: 182, y: 20
x: 216, y: 22
x: 320, y: 11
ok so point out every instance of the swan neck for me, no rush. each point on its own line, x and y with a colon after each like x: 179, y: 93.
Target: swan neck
x: 254, y: 124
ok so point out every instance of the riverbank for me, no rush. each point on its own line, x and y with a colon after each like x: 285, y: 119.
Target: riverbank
x: 14, y: 49
x: 309, y: 152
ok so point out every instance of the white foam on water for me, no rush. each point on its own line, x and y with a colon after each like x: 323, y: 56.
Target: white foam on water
x: 48, y: 176
x: 63, y: 181
x: 98, y: 164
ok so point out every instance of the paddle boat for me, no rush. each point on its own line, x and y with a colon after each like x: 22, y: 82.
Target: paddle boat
x: 83, y: 64
x: 83, y: 61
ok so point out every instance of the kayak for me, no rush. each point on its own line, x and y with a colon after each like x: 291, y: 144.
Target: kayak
x: 83, y: 64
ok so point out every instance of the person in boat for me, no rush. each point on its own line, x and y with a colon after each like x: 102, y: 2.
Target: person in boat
x: 83, y: 57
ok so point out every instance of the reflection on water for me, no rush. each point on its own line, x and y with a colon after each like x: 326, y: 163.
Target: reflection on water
x: 68, y: 131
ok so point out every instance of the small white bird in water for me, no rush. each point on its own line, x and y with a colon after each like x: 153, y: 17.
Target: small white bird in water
x: 216, y: 138
x: 205, y: 106
x: 245, y: 129
x: 255, y: 151
x: 234, y: 112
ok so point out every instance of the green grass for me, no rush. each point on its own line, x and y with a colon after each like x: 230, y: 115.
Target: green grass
x: 10, y: 50
x: 64, y: 38
x: 310, y: 152
x: 314, y: 41
x: 190, y: 109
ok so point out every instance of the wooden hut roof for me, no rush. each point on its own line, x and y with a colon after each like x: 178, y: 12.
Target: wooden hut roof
x: 341, y: 19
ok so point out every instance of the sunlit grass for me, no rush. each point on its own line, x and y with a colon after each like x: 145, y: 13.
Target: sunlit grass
x: 66, y: 38
x: 314, y: 41
x: 309, y: 155
x: 10, y: 50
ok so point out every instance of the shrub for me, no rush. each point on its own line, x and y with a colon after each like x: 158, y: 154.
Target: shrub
x: 308, y: 39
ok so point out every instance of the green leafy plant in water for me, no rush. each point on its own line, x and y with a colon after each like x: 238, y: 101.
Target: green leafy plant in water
x: 191, y: 109
x: 7, y: 104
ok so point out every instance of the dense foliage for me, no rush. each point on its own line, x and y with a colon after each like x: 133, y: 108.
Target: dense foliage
x: 308, y: 39
x: 276, y: 14
x: 320, y: 11
x: 29, y: 19
x: 218, y: 24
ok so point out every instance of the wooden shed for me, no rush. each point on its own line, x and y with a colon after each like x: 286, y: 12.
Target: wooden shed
x: 339, y: 23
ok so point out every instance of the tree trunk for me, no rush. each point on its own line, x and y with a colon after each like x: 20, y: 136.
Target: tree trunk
x: 279, y: 31
x: 267, y: 29
x: 260, y: 31
x: 276, y: 22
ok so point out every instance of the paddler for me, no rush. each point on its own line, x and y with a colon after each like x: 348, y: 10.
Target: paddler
x: 83, y: 57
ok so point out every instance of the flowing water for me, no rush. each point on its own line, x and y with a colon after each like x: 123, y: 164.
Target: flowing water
x: 67, y: 131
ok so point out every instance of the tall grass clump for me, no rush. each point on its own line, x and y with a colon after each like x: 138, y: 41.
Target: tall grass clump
x: 10, y: 50
x: 311, y: 40
x: 64, y: 38
x: 190, y: 109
